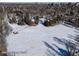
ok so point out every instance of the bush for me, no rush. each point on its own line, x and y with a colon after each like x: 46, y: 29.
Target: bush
x: 36, y: 19
x: 48, y: 22
x: 26, y: 18
x: 21, y: 22
x: 57, y: 18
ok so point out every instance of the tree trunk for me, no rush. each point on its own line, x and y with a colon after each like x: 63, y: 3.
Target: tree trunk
x: 2, y: 39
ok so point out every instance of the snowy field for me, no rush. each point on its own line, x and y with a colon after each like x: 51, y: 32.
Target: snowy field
x: 33, y: 40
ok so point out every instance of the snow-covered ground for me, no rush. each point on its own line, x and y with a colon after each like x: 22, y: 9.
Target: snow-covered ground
x: 30, y: 40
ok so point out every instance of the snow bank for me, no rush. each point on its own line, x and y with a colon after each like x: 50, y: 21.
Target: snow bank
x: 30, y: 40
